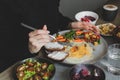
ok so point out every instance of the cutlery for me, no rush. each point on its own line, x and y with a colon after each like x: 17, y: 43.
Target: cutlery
x: 32, y: 28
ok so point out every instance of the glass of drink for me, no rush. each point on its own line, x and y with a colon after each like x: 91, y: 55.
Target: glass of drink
x: 113, y: 58
x: 109, y: 12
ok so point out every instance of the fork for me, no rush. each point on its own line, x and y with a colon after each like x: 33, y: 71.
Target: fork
x: 32, y: 28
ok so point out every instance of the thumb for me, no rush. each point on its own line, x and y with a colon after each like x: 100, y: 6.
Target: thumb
x: 45, y: 27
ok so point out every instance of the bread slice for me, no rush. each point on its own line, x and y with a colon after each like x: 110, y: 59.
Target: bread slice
x: 58, y: 55
x: 54, y: 46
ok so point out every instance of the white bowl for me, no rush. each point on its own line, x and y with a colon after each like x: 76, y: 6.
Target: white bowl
x: 82, y: 14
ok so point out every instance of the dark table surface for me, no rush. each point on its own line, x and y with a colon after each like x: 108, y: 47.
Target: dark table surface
x: 62, y: 71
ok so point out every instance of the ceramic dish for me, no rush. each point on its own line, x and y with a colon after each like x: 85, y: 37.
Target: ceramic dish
x: 34, y: 69
x: 87, y: 16
x: 98, y: 52
x: 106, y: 29
x: 86, y: 72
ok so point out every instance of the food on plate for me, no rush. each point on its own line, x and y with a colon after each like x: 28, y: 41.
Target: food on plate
x: 58, y: 55
x: 54, y: 46
x: 88, y: 18
x: 78, y: 36
x: 106, y: 29
x: 75, y: 52
x: 73, y: 46
x: 80, y: 50
x: 34, y: 70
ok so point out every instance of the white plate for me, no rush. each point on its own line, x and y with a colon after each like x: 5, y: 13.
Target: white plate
x: 99, y: 51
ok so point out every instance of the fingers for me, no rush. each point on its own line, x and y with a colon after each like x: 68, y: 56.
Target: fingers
x: 38, y: 43
x: 89, y: 26
x: 38, y: 38
x: 45, y: 27
x: 85, y: 25
x: 37, y: 32
x: 35, y: 47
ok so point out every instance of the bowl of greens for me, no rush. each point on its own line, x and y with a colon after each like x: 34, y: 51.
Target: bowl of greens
x: 34, y: 69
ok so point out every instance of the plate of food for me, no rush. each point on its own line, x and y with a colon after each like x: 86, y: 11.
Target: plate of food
x: 106, y: 29
x: 76, y: 46
x: 34, y: 69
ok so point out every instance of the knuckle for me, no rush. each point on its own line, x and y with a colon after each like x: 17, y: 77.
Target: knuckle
x: 30, y: 34
x: 30, y: 39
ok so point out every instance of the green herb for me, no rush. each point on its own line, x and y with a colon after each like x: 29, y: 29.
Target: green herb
x: 70, y: 34
x: 99, y: 41
x: 50, y: 68
x: 28, y: 74
x: 46, y: 78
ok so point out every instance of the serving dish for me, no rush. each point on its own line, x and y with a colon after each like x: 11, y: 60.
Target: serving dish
x: 86, y: 72
x: 98, y: 52
x: 87, y: 16
x: 34, y: 69
x: 106, y: 29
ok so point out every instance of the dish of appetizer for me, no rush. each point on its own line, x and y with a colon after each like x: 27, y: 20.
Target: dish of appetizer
x: 34, y: 69
x: 76, y: 46
x: 78, y: 36
x: 106, y: 29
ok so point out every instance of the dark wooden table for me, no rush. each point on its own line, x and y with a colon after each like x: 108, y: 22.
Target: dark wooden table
x: 62, y: 71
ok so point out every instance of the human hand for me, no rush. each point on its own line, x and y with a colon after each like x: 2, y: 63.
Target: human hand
x: 38, y: 38
x: 84, y: 25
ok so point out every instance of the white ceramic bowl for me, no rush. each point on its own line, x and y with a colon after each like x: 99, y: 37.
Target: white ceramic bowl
x: 82, y: 14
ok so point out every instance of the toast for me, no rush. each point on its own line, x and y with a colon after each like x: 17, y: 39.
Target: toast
x: 54, y: 46
x: 58, y: 55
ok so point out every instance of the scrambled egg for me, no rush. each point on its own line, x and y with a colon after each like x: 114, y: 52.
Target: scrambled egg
x: 79, y: 51
x: 106, y: 29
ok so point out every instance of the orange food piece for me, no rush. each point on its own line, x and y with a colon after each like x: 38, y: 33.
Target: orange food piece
x: 78, y: 32
x: 62, y: 40
x: 79, y: 40
x: 59, y: 37
x: 74, y: 49
x: 80, y: 51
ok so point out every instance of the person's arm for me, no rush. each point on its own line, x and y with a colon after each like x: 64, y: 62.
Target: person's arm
x: 66, y: 23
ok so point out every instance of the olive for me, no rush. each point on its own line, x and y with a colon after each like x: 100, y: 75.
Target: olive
x: 31, y: 69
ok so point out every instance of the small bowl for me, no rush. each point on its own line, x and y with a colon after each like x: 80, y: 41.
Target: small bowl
x: 86, y: 72
x: 87, y: 16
